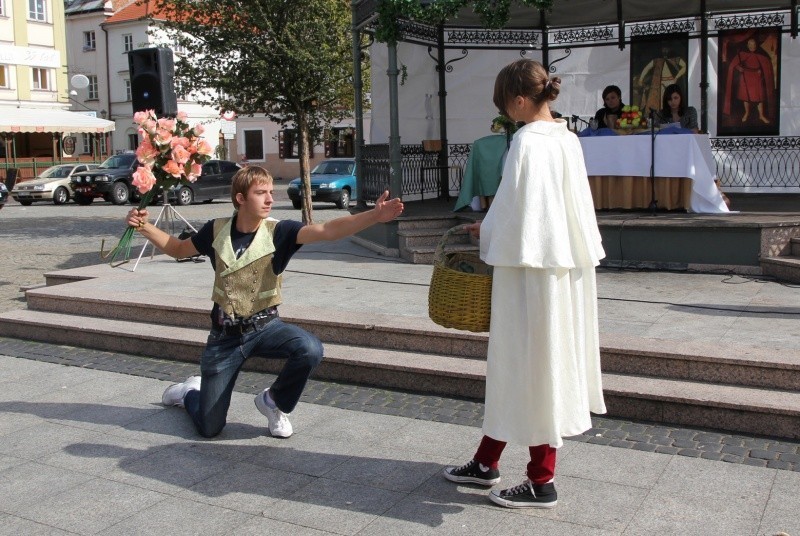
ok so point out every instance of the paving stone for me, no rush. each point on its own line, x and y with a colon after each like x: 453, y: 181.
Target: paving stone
x: 763, y: 454
x: 667, y: 450
x: 737, y: 451
x: 777, y: 464
x: 692, y: 453
x: 791, y: 458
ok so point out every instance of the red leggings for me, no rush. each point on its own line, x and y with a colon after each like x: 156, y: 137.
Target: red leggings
x: 541, y: 468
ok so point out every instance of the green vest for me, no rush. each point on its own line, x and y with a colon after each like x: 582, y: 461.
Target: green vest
x: 246, y: 285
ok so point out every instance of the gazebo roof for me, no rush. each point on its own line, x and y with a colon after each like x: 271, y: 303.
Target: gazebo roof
x: 574, y: 13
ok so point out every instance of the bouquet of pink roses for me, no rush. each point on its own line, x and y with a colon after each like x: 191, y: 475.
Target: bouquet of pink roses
x: 170, y: 152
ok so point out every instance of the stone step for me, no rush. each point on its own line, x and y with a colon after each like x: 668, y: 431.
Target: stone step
x: 783, y: 268
x: 428, y: 222
x: 428, y: 237
x: 689, y: 403
x: 723, y: 407
x: 411, y: 334
x: 425, y: 254
x: 693, y: 361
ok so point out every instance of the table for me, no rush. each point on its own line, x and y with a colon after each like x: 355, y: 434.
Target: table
x: 625, y: 160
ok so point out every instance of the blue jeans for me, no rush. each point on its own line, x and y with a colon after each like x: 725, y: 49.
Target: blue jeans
x: 224, y: 356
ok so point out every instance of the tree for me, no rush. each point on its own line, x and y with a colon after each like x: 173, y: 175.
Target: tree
x: 288, y: 59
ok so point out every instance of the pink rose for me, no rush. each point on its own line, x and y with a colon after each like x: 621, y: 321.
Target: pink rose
x: 146, y: 153
x: 166, y: 124
x: 173, y: 168
x: 182, y: 116
x: 143, y: 179
x: 204, y: 148
x: 197, y: 169
x: 198, y: 129
x: 180, y: 155
x: 180, y: 140
x: 164, y: 136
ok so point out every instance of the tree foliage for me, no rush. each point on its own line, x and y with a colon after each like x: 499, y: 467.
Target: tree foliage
x: 493, y: 13
x: 288, y: 59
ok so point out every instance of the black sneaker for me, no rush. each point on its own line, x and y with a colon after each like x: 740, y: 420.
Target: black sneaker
x: 526, y: 495
x: 473, y: 473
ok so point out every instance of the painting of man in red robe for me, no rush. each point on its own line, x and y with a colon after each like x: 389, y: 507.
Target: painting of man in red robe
x: 749, y: 82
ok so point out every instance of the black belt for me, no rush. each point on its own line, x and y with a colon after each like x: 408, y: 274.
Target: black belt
x: 254, y: 323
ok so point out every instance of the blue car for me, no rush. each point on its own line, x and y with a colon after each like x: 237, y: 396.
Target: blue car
x: 332, y: 181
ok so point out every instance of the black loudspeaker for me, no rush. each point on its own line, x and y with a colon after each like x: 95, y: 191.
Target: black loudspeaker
x: 152, y: 72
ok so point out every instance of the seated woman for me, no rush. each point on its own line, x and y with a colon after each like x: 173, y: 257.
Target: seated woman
x: 607, y: 116
x: 674, y: 110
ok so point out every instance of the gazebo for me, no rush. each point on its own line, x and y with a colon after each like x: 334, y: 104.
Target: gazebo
x: 749, y: 163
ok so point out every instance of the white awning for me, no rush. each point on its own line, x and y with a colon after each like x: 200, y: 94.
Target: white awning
x: 40, y: 120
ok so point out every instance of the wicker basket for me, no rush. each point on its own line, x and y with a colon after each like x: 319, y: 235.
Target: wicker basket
x: 460, y: 294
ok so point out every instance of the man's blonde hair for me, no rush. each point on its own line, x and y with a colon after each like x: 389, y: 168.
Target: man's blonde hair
x: 245, y: 178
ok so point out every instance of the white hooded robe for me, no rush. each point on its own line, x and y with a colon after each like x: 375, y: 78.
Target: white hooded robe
x: 540, y: 234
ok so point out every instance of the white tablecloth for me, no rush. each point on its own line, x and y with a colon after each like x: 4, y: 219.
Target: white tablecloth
x: 676, y: 155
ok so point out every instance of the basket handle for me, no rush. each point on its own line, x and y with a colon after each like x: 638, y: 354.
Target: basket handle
x: 438, y: 256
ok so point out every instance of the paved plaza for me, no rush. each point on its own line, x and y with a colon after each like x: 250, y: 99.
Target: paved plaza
x: 86, y: 447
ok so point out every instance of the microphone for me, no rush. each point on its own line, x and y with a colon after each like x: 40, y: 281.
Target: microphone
x: 575, y: 119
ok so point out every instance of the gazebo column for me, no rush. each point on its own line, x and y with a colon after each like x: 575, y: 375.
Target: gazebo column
x: 395, y: 169
x: 444, y: 171
x: 358, y: 88
x: 703, y: 67
x: 56, y: 152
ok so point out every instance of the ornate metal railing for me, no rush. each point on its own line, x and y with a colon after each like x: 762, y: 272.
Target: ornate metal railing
x: 421, y: 170
x: 766, y: 163
x: 756, y: 163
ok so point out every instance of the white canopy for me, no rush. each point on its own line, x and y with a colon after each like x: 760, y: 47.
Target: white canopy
x: 41, y: 120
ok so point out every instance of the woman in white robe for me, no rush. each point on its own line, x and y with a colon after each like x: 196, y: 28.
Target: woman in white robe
x: 540, y: 235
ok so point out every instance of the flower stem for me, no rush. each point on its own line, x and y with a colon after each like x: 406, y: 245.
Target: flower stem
x: 123, y: 248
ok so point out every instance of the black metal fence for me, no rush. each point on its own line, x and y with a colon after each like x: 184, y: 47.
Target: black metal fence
x: 766, y: 163
x: 757, y: 163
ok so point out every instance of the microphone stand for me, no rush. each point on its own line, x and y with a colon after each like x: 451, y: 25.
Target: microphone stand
x: 653, y: 202
x: 575, y: 120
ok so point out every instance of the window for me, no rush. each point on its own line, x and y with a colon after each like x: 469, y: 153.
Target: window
x: 41, y: 78
x: 287, y: 144
x: 89, y: 42
x: 177, y: 47
x: 36, y: 10
x: 253, y: 145
x: 2, y: 8
x: 3, y: 75
x: 180, y: 92
x: 93, y: 93
x: 127, y: 42
x: 133, y: 141
x: 339, y: 142
x: 86, y: 145
x: 128, y: 93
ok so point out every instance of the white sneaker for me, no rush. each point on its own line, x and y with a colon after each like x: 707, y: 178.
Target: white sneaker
x: 173, y: 395
x: 279, y: 425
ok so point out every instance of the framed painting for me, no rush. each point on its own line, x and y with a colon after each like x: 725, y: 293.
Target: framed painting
x: 656, y: 64
x: 748, y: 95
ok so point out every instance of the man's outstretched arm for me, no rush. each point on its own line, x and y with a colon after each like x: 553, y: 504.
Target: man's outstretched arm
x: 170, y: 245
x: 384, y: 211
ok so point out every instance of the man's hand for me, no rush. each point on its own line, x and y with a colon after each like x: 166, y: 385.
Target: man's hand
x: 388, y: 210
x: 137, y: 217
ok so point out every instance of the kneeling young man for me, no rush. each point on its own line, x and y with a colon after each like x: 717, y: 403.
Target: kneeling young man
x: 248, y: 253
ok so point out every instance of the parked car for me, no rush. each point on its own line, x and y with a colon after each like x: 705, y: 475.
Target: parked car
x: 3, y: 194
x: 332, y: 181
x: 53, y: 184
x: 214, y: 183
x: 112, y: 180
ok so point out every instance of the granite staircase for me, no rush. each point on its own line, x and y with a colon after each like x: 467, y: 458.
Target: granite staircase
x: 419, y: 236
x: 739, y: 389
x: 784, y: 267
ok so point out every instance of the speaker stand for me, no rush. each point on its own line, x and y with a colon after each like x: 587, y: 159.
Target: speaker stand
x: 166, y: 220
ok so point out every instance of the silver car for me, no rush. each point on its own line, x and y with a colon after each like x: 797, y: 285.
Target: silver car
x: 51, y: 185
